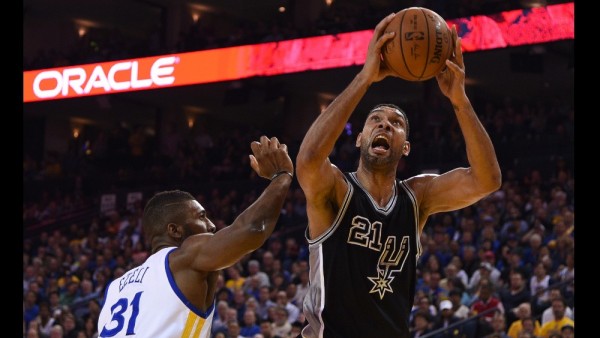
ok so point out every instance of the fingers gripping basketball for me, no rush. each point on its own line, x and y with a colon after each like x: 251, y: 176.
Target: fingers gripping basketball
x: 421, y: 46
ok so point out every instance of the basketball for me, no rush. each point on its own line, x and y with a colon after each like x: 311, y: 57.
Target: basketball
x: 421, y: 46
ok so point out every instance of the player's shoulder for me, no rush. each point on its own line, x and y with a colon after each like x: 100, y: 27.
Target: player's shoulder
x: 419, y: 183
x: 421, y: 180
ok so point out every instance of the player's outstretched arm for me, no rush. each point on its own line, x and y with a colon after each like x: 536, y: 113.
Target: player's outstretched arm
x: 254, y: 225
x: 461, y: 187
x: 316, y: 175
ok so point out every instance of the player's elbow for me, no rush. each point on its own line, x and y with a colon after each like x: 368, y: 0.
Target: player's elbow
x: 491, y: 183
x: 305, y: 159
x: 307, y: 163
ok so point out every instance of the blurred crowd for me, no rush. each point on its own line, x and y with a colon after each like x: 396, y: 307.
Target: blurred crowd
x: 506, y: 261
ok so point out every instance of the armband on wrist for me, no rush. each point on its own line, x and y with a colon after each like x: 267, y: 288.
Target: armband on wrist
x: 281, y: 173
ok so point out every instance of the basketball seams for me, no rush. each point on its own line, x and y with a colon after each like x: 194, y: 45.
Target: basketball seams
x: 391, y: 53
x: 400, y: 40
x: 428, y: 28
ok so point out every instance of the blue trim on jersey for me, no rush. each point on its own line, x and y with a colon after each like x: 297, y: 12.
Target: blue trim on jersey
x: 180, y: 295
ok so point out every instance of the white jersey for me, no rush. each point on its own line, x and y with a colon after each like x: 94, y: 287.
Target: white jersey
x: 145, y: 302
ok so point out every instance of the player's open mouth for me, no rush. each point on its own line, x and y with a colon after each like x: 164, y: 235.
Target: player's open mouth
x: 380, y: 144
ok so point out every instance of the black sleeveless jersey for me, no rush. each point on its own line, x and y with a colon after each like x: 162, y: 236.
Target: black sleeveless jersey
x: 363, y: 268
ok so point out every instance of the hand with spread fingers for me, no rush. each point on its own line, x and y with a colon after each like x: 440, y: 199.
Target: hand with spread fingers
x: 270, y: 158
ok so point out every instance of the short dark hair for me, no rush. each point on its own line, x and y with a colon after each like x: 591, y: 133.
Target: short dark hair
x: 163, y: 208
x: 567, y: 327
x: 391, y: 105
x: 423, y: 314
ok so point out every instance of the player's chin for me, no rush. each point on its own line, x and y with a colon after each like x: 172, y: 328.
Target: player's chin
x: 379, y: 152
x: 377, y: 159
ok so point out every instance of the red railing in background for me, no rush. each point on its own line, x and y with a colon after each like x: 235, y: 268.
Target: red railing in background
x: 506, y: 29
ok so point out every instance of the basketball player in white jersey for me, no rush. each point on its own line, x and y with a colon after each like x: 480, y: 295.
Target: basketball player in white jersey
x: 172, y: 294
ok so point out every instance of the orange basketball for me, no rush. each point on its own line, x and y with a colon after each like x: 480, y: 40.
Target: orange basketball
x: 421, y: 46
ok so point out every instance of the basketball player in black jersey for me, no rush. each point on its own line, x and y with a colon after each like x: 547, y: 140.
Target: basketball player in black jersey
x: 364, y: 226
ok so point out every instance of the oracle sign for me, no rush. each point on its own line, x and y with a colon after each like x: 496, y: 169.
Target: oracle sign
x: 481, y: 32
x: 120, y: 76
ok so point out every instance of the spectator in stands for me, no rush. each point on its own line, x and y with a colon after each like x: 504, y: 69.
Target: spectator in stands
x: 533, y: 245
x: 432, y: 288
x: 234, y: 329
x: 54, y: 302
x: 69, y: 324
x: 422, y: 304
x: 30, y: 308
x: 33, y: 331
x: 264, y: 302
x: 459, y: 309
x: 516, y: 294
x: 528, y: 329
x: 301, y: 288
x: 292, y: 310
x: 451, y: 272
x: 566, y: 273
x: 239, y: 304
x: 421, y: 324
x: 523, y: 312
x: 230, y: 315
x: 568, y: 331
x: 539, y: 284
x: 57, y: 331
x: 252, y: 286
x: 514, y: 225
x: 470, y: 260
x: 498, y: 327
x: 219, y: 322
x: 548, y: 312
x: 79, y: 306
x: 281, y: 325
x: 252, y: 304
x: 44, y: 319
x: 515, y: 263
x: 486, y: 301
x: 461, y: 273
x: 89, y: 329
x: 234, y: 280
x: 560, y: 320
x: 485, y: 271
x: 249, y: 325
x: 445, y: 319
x: 266, y: 329
x: 254, y: 270
x: 296, y: 330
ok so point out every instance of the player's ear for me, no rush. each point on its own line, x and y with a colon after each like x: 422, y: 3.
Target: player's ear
x: 174, y: 230
x: 358, y: 137
x: 406, y: 148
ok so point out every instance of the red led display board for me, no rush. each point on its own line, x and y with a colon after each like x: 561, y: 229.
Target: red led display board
x: 506, y: 29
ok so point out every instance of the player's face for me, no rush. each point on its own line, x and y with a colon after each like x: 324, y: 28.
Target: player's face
x: 197, y: 222
x: 383, y: 138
